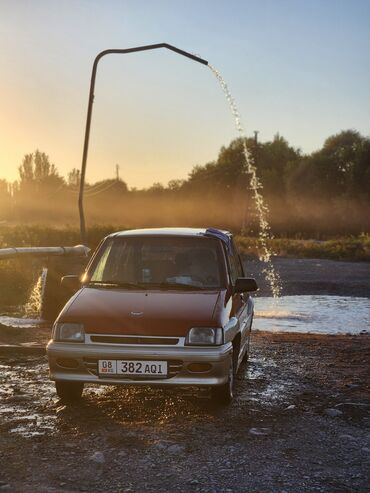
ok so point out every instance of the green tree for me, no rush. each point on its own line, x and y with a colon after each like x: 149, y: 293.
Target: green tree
x: 38, y: 175
x: 360, y: 183
x: 156, y: 188
x: 74, y: 178
x: 223, y: 174
x: 175, y: 185
x: 5, y: 199
x: 340, y: 168
x: 273, y: 161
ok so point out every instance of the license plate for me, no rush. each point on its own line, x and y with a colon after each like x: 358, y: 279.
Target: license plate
x: 132, y: 367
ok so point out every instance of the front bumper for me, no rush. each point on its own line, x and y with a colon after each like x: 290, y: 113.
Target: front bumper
x: 86, y: 355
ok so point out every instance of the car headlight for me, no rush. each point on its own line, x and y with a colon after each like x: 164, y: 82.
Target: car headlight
x: 68, y: 332
x: 204, y: 336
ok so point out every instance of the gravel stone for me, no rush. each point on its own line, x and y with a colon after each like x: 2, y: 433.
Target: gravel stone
x: 98, y: 457
x: 333, y: 413
x: 176, y: 449
x: 259, y: 431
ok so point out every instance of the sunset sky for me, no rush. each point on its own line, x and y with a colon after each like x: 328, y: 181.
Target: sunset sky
x: 300, y: 68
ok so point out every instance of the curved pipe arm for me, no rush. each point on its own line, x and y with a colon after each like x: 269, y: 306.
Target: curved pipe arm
x: 150, y: 47
x: 90, y: 105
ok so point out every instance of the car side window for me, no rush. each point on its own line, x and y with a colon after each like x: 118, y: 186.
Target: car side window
x: 236, y: 268
x: 233, y: 266
x: 238, y: 261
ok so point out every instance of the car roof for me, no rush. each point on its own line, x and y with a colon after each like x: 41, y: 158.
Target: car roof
x: 164, y: 232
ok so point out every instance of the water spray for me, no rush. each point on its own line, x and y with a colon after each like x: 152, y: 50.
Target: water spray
x: 270, y: 273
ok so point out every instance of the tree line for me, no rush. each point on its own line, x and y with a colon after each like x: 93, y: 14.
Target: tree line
x: 323, y: 193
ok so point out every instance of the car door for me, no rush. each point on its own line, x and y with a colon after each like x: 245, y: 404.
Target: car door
x: 246, y: 322
x: 240, y: 300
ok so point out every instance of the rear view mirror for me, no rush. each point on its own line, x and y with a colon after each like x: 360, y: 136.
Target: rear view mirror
x: 245, y: 284
x: 71, y: 283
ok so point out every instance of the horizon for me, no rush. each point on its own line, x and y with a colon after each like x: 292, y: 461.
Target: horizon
x: 116, y: 174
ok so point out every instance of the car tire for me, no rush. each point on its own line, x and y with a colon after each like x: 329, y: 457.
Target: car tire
x: 69, y: 392
x: 224, y: 394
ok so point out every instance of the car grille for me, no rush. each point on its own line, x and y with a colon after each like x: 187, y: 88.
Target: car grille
x: 158, y: 341
x: 174, y: 367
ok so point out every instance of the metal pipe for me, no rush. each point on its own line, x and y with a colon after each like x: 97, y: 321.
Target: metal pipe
x: 89, y: 112
x: 75, y: 251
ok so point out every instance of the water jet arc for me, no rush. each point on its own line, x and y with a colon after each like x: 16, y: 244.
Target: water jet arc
x: 90, y: 105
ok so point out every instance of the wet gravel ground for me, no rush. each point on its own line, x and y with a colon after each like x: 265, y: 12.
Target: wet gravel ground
x: 300, y: 422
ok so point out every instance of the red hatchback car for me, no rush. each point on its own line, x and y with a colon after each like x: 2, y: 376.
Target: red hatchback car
x: 165, y: 307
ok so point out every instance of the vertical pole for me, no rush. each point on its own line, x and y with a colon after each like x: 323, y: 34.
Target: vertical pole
x: 84, y: 155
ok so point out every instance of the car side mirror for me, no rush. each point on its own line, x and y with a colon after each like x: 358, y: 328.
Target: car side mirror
x: 71, y: 283
x: 245, y: 284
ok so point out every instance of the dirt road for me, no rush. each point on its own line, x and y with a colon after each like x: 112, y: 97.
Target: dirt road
x: 299, y: 423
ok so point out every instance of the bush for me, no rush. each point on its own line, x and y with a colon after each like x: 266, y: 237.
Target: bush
x: 352, y: 248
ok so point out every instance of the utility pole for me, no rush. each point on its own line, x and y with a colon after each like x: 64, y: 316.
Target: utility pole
x: 256, y: 132
x: 117, y: 172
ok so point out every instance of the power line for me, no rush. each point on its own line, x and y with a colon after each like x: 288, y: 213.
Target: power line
x: 94, y: 189
x: 108, y: 187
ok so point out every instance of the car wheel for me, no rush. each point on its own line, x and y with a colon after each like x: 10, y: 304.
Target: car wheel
x: 69, y: 391
x: 223, y: 394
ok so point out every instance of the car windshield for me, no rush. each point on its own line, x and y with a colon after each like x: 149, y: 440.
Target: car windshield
x: 163, y: 262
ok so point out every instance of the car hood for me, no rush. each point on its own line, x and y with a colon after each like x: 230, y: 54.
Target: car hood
x: 162, y: 313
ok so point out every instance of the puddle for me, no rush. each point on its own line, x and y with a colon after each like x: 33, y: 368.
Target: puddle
x: 313, y: 314
x: 267, y: 384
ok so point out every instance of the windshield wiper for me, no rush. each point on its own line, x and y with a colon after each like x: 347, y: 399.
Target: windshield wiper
x: 114, y: 284
x: 148, y: 285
